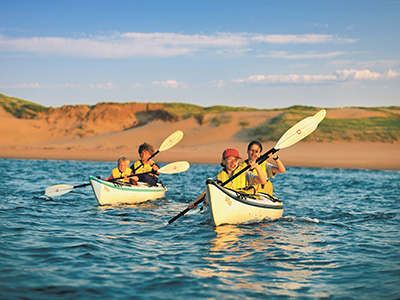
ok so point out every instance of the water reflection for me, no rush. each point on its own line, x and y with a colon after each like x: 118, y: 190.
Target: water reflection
x: 266, y: 256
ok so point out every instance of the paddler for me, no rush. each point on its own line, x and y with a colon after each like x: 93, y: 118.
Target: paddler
x: 122, y: 170
x: 145, y: 165
x: 254, y: 150
x: 231, y: 166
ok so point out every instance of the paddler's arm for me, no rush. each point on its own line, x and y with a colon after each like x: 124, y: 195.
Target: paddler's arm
x: 109, y: 178
x: 280, y: 167
x: 261, y: 178
x: 191, y: 204
x: 154, y: 166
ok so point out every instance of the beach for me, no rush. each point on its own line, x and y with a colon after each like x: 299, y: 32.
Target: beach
x: 202, y: 144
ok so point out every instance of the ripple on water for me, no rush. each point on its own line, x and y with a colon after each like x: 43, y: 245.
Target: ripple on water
x: 338, y: 239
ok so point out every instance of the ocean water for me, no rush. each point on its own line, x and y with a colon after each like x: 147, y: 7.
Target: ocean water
x: 339, y: 238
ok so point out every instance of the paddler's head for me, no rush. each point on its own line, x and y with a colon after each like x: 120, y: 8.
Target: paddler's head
x: 145, y: 151
x: 230, y: 159
x: 123, y: 163
x: 254, y: 150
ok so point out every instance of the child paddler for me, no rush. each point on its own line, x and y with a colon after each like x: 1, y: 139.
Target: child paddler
x: 145, y: 165
x: 231, y: 166
x: 254, y: 150
x: 122, y: 170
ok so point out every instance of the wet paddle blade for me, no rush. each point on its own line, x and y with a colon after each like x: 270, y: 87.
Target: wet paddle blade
x: 175, y: 167
x: 58, y: 190
x: 300, y: 130
x: 171, y: 141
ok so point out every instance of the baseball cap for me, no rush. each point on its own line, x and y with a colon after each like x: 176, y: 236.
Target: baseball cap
x: 230, y: 152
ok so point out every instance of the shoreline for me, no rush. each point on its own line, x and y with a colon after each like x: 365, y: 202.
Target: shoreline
x: 335, y: 155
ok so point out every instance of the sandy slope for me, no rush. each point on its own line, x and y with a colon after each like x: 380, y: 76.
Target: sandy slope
x: 37, y: 139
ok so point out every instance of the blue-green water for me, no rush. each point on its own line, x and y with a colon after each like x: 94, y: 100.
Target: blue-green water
x: 339, y: 238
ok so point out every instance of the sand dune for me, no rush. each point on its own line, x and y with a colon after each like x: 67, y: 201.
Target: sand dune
x: 41, y: 139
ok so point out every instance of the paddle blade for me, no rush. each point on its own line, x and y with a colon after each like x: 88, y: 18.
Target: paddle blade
x: 175, y: 167
x: 58, y: 190
x: 171, y: 141
x: 319, y: 116
x: 300, y: 130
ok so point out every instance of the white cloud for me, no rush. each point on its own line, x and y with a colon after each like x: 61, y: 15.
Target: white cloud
x: 340, y: 75
x: 392, y: 74
x: 300, y: 39
x: 291, y: 78
x: 157, y: 44
x: 103, y: 86
x: 71, y: 86
x: 170, y: 84
x: 307, y: 55
x: 365, y: 75
x: 25, y: 85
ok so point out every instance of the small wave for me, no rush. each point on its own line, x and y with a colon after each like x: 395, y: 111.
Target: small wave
x: 365, y: 217
x: 300, y: 219
x: 43, y: 197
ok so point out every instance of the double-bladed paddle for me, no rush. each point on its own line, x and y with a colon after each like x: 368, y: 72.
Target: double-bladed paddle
x: 295, y: 134
x: 172, y: 168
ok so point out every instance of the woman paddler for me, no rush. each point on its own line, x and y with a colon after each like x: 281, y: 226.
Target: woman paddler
x: 254, y: 150
x: 145, y: 165
x: 231, y: 166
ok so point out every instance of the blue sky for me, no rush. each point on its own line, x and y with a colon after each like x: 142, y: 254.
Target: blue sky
x: 262, y: 54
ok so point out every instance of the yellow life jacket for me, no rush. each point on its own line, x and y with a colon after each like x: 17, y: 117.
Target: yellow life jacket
x: 267, y: 188
x: 236, y: 184
x: 117, y: 173
x: 143, y: 168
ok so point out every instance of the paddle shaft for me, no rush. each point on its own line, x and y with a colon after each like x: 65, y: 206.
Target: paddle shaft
x: 154, y: 154
x: 259, y: 160
x: 122, y: 177
x: 81, y: 185
x: 111, y: 180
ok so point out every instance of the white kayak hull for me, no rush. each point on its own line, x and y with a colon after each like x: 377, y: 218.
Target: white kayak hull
x: 228, y: 207
x: 109, y: 193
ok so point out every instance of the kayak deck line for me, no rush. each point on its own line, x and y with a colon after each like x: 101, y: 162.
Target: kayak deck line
x: 140, y: 187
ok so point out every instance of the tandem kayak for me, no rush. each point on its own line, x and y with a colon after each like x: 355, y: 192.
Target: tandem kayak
x: 109, y: 193
x: 225, y: 206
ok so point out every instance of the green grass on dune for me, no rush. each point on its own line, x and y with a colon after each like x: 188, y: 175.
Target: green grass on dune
x: 20, y: 108
x: 375, y: 129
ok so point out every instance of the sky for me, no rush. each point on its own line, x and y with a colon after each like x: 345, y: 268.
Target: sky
x: 260, y: 54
